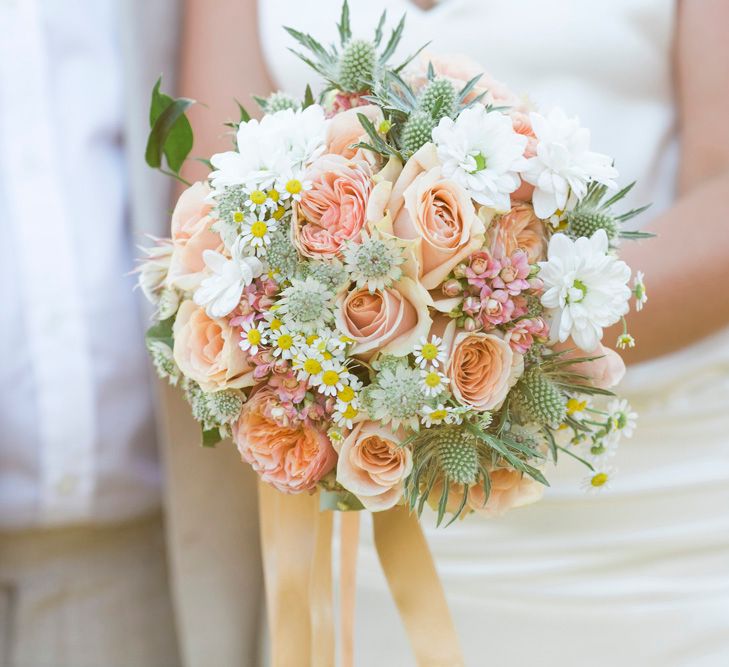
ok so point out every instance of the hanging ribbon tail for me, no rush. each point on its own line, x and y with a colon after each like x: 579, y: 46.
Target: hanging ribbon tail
x: 416, y: 588
x: 349, y: 540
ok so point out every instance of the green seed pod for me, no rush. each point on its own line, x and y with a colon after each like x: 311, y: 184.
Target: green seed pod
x: 438, y: 99
x: 357, y: 65
x: 539, y: 398
x: 586, y: 223
x: 417, y: 131
x: 458, y: 456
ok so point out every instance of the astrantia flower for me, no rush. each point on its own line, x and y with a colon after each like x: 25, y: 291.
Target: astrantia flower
x: 599, y: 480
x: 641, y: 296
x: 482, y: 153
x: 252, y: 337
x: 563, y: 162
x: 584, y: 287
x: 623, y: 419
x: 256, y: 233
x: 397, y: 397
x: 306, y: 305
x: 374, y: 262
x: 430, y: 352
x: 221, y: 292
x: 434, y: 382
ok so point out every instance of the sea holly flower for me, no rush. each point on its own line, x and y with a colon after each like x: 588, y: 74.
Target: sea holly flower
x: 563, y: 164
x: 585, y: 288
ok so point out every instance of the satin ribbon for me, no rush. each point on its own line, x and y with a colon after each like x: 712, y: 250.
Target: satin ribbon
x: 296, y: 545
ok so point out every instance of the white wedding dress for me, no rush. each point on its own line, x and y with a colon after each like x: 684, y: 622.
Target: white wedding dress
x: 638, y: 576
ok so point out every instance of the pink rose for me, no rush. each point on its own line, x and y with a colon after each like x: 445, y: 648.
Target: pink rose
x: 390, y: 320
x: 345, y: 129
x: 481, y: 369
x: 191, y: 235
x: 207, y: 350
x: 606, y: 371
x: 292, y: 456
x: 519, y: 229
x: 334, y: 210
x: 373, y: 467
x: 438, y: 215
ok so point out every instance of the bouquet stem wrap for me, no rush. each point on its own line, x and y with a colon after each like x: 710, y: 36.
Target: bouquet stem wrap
x: 296, y: 541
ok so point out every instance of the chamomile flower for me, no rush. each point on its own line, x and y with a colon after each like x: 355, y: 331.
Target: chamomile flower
x: 252, y: 337
x: 292, y: 185
x: 577, y: 409
x: 433, y: 416
x: 625, y: 340
x: 256, y: 200
x: 283, y: 343
x: 598, y: 451
x: 622, y: 417
x: 306, y: 305
x: 599, y: 480
x: 434, y: 382
x: 430, y: 353
x: 256, y: 233
x: 308, y: 363
x: 641, y: 296
x: 345, y: 414
x: 373, y: 262
x: 348, y: 393
x: 332, y: 379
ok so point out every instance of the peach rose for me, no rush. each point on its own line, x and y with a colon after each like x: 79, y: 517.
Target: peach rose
x: 606, y: 371
x: 333, y: 211
x: 207, y: 350
x: 481, y: 369
x: 191, y: 235
x: 390, y: 320
x: 440, y: 217
x: 373, y: 467
x: 346, y: 130
x: 520, y: 229
x: 292, y: 457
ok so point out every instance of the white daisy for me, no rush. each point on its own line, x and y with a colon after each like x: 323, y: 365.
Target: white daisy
x: 622, y: 417
x: 345, y: 414
x: 307, y: 363
x: 221, y: 292
x: 252, y: 337
x: 256, y: 233
x: 578, y: 409
x: 283, y: 343
x: 585, y: 288
x: 481, y: 152
x: 599, y: 480
x: 434, y: 382
x: 625, y: 340
x: 563, y: 163
x: 433, y: 416
x: 332, y: 379
x: 430, y: 352
x: 599, y: 452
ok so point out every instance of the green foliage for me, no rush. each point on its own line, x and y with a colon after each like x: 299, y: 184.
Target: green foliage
x: 170, y: 134
x: 161, y: 331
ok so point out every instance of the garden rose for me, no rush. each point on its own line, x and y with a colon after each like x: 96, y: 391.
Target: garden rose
x: 334, y: 210
x: 345, y: 129
x: 373, y: 467
x: 606, y: 371
x: 439, y: 216
x: 481, y: 369
x: 520, y: 229
x: 389, y: 321
x: 207, y: 350
x: 191, y: 235
x: 291, y: 456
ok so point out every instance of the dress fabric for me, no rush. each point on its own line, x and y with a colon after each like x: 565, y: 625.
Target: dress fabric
x: 638, y: 576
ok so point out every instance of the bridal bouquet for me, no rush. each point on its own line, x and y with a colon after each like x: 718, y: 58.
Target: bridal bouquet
x: 394, y: 292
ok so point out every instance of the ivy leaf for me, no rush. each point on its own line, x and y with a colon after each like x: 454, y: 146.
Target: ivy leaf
x: 308, y: 97
x: 171, y: 133
x: 161, y: 331
x: 244, y: 115
x: 211, y: 437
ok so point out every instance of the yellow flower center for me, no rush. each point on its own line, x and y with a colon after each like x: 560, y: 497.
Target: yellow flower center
x: 238, y: 216
x: 429, y: 352
x: 311, y: 339
x: 573, y: 405
x: 285, y: 341
x: 438, y: 415
x: 259, y: 229
x: 278, y: 213
x: 351, y: 412
x: 312, y: 367
x: 330, y: 378
x: 273, y: 195
x: 328, y: 355
x: 432, y: 380
x: 294, y: 186
x: 258, y: 197
x: 346, y: 395
x: 600, y: 479
x: 254, y: 336
x: 275, y: 324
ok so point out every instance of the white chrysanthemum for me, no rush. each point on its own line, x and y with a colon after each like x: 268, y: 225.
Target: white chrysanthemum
x: 373, y: 262
x: 563, y: 162
x: 622, y: 417
x: 306, y: 305
x: 481, y: 152
x: 256, y: 233
x: 430, y: 352
x: 585, y: 288
x: 252, y: 337
x: 220, y: 292
x: 434, y: 382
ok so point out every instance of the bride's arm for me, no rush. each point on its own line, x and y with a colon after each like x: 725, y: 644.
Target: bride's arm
x: 687, y: 265
x: 221, y: 60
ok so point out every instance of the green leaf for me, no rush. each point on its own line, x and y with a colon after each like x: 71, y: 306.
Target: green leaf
x: 345, y: 30
x: 380, y: 26
x: 636, y: 235
x: 339, y: 501
x: 211, y: 437
x: 394, y: 40
x: 244, y: 115
x: 308, y: 97
x: 161, y: 331
x: 171, y: 132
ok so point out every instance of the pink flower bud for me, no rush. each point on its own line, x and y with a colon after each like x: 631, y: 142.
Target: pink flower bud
x: 470, y: 325
x: 452, y: 287
x: 471, y: 305
x: 460, y: 271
